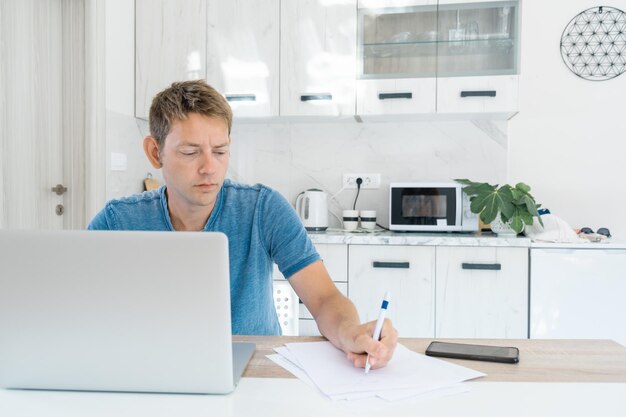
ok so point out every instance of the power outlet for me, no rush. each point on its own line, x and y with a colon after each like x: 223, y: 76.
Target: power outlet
x: 371, y: 181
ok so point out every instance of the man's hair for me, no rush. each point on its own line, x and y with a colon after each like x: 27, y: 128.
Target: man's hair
x: 182, y: 98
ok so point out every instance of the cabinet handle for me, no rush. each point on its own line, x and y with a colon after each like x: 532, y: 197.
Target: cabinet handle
x: 402, y: 265
x: 240, y: 97
x: 488, y: 267
x: 311, y: 97
x: 487, y: 93
x: 387, y: 96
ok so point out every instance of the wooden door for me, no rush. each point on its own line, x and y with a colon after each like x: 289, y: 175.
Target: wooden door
x: 41, y: 114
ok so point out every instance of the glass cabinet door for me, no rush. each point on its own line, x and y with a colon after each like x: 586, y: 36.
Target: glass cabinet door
x: 444, y: 40
x: 398, y: 42
x: 478, y: 39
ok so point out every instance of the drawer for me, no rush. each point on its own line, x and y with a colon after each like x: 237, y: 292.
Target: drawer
x: 396, y: 96
x: 308, y: 327
x: 494, y: 94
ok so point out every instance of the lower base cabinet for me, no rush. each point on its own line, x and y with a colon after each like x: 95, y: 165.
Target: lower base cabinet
x: 482, y: 292
x: 407, y: 272
x: 436, y: 291
x: 578, y: 294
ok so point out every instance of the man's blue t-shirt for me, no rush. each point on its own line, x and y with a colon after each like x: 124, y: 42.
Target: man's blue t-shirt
x: 262, y: 228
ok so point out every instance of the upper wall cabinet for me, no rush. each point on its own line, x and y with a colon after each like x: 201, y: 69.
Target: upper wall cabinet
x: 332, y: 58
x: 445, y: 57
x: 170, y: 38
x: 477, y: 57
x: 242, y: 54
x: 318, y: 57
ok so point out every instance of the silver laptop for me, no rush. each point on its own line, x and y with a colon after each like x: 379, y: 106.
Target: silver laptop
x: 117, y: 311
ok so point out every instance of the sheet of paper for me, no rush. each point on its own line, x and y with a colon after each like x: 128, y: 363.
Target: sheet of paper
x: 328, y: 368
x: 374, y: 399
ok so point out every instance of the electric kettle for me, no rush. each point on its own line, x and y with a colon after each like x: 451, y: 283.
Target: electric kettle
x: 312, y: 207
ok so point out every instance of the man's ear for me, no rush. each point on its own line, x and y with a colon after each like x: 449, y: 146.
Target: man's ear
x: 151, y: 148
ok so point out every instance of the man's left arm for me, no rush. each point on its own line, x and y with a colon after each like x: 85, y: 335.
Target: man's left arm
x: 338, y: 320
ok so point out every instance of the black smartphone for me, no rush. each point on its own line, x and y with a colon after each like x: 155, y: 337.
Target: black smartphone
x: 473, y: 352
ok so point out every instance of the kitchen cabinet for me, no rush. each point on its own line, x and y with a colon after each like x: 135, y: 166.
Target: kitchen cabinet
x: 335, y: 258
x: 269, y: 58
x: 170, y: 45
x: 578, y: 293
x: 243, y: 56
x: 482, y: 292
x: 317, y: 57
x: 407, y: 272
x: 443, y: 57
x: 477, y: 57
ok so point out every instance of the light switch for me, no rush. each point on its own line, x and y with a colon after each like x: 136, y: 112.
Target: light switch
x: 119, y: 161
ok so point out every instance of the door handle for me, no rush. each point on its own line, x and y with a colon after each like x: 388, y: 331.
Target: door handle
x: 489, y: 93
x: 241, y: 97
x: 387, y: 96
x: 313, y: 97
x: 488, y: 267
x: 400, y: 265
x: 59, y: 189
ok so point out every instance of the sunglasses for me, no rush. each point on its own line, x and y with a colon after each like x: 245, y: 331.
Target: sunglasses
x: 601, y: 231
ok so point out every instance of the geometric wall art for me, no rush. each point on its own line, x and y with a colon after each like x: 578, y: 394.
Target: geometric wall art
x: 593, y: 44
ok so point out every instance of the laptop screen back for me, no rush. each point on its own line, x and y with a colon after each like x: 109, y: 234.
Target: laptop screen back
x: 115, y: 311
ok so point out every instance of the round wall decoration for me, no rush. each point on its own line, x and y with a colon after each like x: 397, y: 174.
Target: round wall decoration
x: 593, y: 44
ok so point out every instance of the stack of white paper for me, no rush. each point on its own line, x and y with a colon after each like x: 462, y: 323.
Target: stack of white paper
x: 408, y: 374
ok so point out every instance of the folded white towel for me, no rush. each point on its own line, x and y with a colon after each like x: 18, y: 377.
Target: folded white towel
x: 554, y: 229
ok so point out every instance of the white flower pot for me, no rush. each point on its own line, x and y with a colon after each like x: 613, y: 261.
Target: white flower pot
x: 502, y: 229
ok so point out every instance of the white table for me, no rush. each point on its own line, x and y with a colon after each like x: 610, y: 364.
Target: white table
x: 554, y: 378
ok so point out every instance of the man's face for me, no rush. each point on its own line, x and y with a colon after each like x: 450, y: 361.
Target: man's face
x: 194, y: 160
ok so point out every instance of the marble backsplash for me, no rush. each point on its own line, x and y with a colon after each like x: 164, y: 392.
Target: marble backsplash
x: 294, y: 156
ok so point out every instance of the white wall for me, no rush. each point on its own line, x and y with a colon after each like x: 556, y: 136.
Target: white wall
x: 292, y: 157
x: 568, y: 141
x: 124, y: 133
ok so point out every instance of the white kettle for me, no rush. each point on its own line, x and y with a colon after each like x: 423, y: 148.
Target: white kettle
x: 312, y: 207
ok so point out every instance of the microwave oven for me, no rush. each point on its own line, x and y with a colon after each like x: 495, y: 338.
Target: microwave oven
x: 430, y: 207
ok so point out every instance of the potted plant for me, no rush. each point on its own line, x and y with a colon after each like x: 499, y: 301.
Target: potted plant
x: 514, y: 207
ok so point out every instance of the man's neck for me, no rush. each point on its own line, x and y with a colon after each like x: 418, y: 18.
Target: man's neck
x: 188, y: 224
x: 189, y: 219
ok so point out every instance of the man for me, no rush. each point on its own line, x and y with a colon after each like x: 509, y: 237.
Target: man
x: 189, y: 140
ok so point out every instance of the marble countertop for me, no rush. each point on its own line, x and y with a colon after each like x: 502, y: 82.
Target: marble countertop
x: 609, y: 244
x: 384, y: 237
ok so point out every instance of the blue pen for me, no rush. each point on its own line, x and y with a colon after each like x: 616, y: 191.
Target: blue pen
x: 379, y: 326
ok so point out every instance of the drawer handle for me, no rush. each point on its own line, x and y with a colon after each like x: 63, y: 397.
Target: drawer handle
x: 402, y: 265
x: 312, y: 97
x: 240, y: 97
x: 488, y: 267
x: 488, y: 93
x: 387, y: 96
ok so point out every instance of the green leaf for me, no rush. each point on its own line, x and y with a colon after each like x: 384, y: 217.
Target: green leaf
x: 478, y: 188
x: 477, y: 204
x: 522, y: 187
x: 530, y: 204
x: 517, y: 224
x: 526, y: 217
